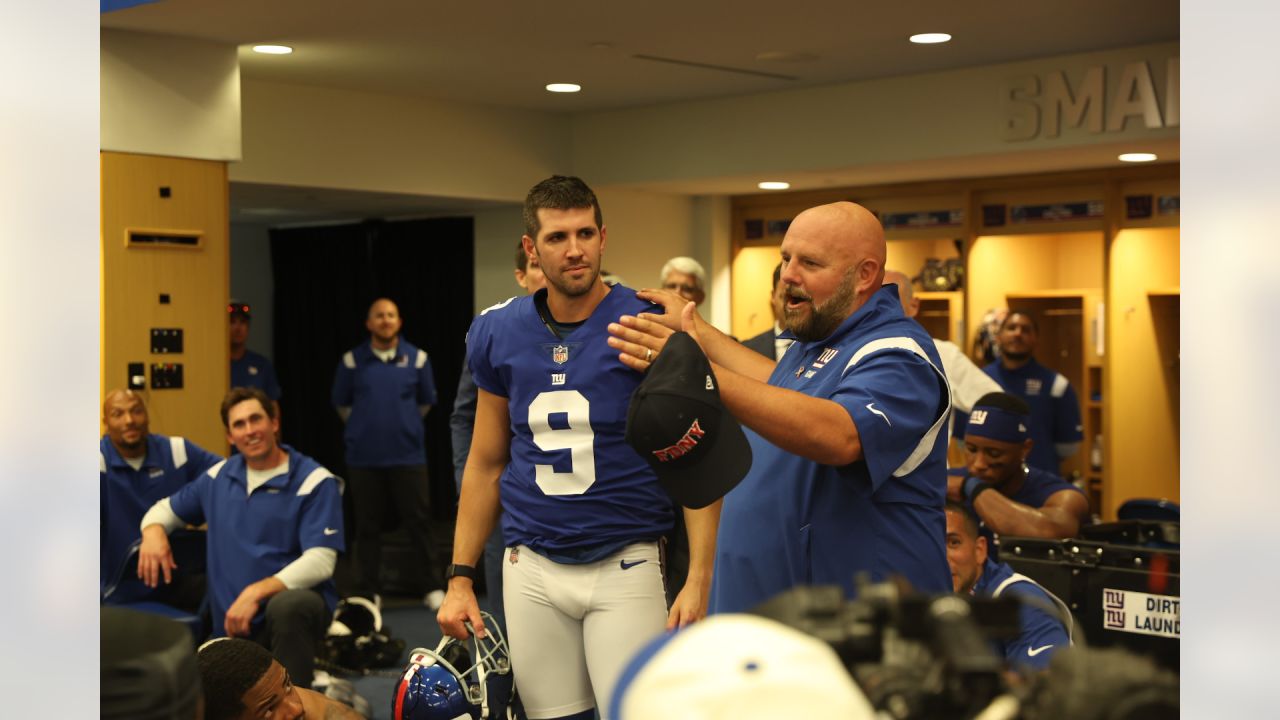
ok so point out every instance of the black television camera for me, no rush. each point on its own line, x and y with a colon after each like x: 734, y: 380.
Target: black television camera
x: 918, y: 656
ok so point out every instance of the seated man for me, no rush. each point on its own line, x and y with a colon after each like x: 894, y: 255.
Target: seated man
x: 1027, y: 501
x: 275, y: 530
x: 1044, y: 621
x: 243, y: 682
x: 136, y: 469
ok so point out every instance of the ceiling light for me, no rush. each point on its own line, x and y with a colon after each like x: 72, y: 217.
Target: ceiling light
x: 930, y: 38
x: 1137, y: 157
x: 564, y: 87
x: 773, y: 185
x: 272, y: 49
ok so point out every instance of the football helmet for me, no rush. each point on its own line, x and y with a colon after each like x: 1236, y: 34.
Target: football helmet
x: 457, y: 682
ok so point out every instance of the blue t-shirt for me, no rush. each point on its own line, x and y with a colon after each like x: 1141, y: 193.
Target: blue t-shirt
x: 1055, y: 411
x: 1041, y: 617
x: 253, y: 536
x: 254, y: 370
x: 573, y: 484
x: 385, y: 427
x: 793, y: 521
x: 126, y: 494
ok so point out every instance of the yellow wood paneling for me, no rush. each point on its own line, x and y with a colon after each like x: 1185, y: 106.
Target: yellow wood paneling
x: 942, y: 314
x: 195, y: 279
x: 1000, y: 265
x: 909, y: 256
x: 1142, y: 457
x: 752, y: 274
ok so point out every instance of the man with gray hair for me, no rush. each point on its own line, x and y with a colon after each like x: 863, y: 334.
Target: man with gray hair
x: 685, y: 277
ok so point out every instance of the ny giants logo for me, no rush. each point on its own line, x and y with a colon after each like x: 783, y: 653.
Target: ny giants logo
x: 683, y: 446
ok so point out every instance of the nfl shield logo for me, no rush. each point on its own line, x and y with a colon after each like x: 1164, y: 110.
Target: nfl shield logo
x: 560, y: 354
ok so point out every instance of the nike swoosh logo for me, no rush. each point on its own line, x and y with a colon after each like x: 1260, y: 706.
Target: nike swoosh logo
x: 880, y: 413
x: 628, y: 565
x: 330, y: 531
x: 1037, y: 651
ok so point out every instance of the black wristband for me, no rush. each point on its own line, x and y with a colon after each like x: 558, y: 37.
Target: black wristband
x: 977, y: 489
x: 459, y: 570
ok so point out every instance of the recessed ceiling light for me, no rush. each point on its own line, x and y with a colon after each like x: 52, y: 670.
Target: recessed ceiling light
x: 930, y: 38
x: 773, y: 185
x: 272, y: 49
x: 1137, y: 157
x: 564, y: 87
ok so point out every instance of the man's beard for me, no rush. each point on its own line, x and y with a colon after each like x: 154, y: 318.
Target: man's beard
x: 572, y: 288
x: 825, y: 318
x: 136, y: 444
x: 1016, y: 356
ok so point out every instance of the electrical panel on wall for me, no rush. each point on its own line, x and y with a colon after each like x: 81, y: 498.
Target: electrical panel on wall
x: 166, y: 376
x: 166, y: 340
x: 137, y: 379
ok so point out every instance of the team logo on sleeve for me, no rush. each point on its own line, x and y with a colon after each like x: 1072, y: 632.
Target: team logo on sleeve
x: 560, y: 354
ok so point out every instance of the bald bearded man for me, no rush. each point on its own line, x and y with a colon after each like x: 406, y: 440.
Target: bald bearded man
x: 135, y: 469
x: 847, y: 432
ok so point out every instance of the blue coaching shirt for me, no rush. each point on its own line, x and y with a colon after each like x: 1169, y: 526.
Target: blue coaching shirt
x: 1042, y: 618
x: 126, y: 494
x: 254, y: 536
x: 385, y: 427
x: 1055, y: 410
x: 794, y: 522
x: 255, y: 370
x: 573, y: 483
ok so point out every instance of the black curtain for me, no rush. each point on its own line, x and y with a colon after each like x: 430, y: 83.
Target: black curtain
x: 325, y: 279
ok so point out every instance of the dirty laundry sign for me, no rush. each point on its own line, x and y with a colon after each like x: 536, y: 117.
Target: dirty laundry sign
x: 1141, y: 613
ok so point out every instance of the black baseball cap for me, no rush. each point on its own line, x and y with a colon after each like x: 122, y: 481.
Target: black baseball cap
x: 679, y: 426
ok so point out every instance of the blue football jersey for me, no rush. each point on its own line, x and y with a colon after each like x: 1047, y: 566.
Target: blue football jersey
x: 573, y: 483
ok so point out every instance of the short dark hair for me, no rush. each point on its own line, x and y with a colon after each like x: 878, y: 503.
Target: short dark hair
x: 238, y: 395
x: 777, y: 275
x: 1024, y: 313
x: 228, y: 668
x: 522, y: 258
x: 970, y: 520
x: 558, y: 192
x: 1004, y: 401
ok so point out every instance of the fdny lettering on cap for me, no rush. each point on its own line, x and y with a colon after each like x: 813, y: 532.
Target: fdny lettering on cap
x: 978, y: 417
x: 683, y: 445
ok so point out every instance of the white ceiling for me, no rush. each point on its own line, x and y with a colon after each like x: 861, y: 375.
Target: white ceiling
x: 504, y: 53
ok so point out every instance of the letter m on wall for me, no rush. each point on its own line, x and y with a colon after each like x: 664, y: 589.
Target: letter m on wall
x: 1084, y: 105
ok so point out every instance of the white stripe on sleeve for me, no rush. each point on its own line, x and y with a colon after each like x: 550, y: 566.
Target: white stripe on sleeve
x: 179, y: 449
x: 313, y: 566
